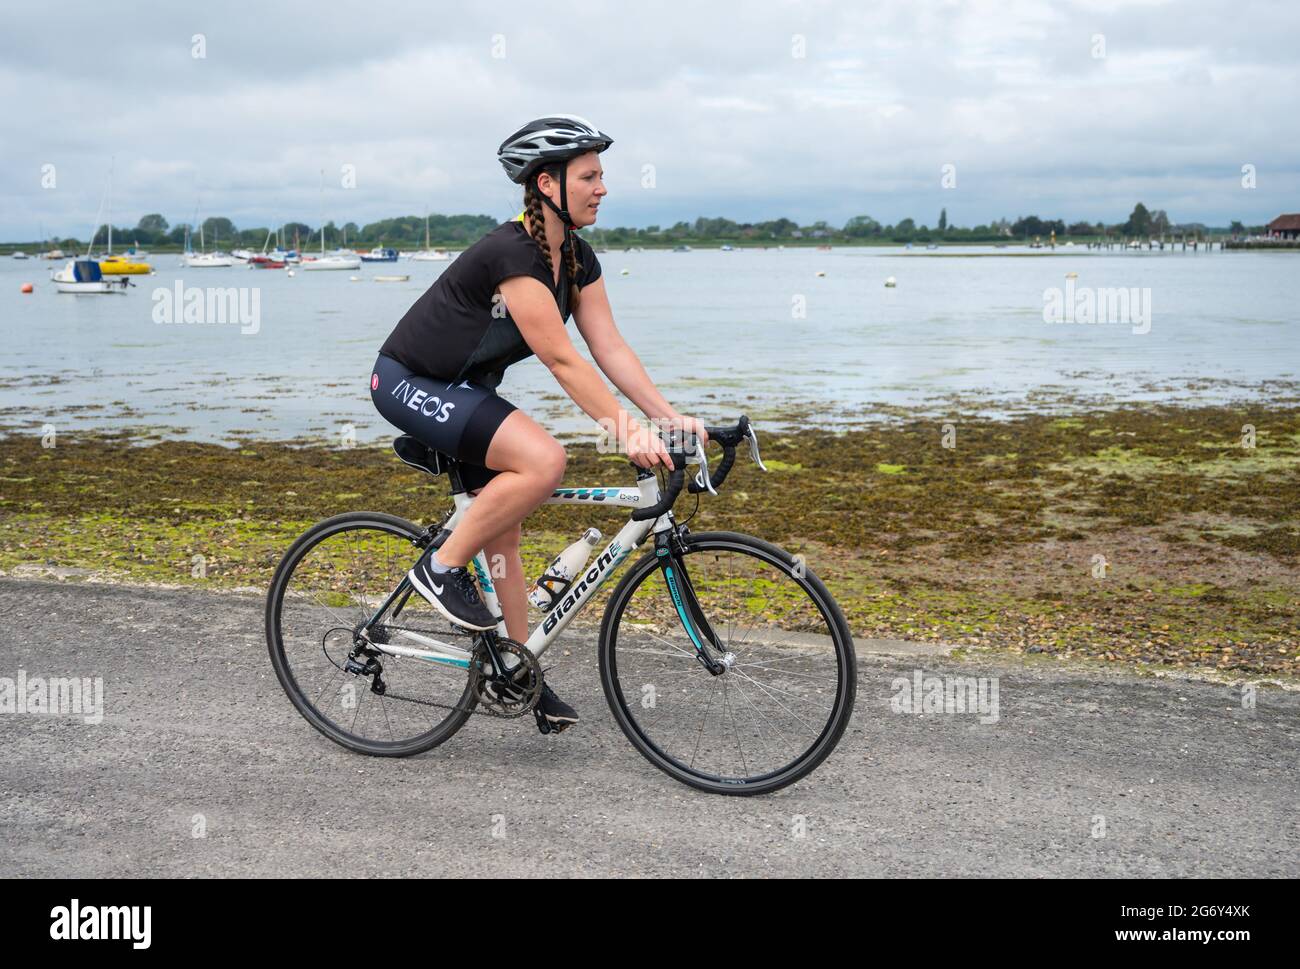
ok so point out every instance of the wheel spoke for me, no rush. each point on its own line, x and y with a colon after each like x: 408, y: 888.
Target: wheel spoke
x: 349, y: 570
x: 779, y: 689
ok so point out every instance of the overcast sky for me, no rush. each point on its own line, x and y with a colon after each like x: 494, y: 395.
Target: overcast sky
x: 417, y: 97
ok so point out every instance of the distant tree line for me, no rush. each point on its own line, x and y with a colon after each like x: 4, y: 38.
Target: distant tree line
x: 459, y: 231
x: 404, y: 232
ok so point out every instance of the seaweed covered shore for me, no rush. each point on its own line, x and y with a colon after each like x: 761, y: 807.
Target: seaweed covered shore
x: 1149, y: 535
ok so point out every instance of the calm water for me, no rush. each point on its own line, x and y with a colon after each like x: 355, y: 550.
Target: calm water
x: 756, y: 330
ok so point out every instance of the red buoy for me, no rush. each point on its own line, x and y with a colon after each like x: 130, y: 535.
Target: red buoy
x: 27, y: 287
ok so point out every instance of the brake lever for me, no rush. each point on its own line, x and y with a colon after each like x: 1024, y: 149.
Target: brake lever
x: 753, y: 446
x: 702, y: 476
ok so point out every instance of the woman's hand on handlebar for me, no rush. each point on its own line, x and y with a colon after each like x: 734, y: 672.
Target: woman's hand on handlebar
x: 646, y: 449
x: 690, y: 425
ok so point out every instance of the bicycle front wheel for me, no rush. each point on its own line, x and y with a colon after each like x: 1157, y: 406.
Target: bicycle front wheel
x: 786, y: 694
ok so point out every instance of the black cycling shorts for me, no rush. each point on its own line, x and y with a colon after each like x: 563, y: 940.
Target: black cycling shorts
x: 457, y: 419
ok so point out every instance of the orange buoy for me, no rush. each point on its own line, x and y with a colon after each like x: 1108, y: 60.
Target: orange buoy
x: 27, y: 287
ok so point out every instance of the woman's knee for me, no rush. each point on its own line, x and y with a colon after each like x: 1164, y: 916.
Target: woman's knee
x: 552, y: 461
x: 524, y: 446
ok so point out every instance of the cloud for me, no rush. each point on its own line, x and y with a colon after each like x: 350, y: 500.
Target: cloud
x: 719, y: 99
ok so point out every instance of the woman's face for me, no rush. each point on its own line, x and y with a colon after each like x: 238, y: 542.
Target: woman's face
x: 585, y: 188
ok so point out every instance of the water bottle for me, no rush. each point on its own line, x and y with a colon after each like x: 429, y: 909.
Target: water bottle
x: 564, y: 568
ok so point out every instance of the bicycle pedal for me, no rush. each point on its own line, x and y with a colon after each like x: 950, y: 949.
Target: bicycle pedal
x: 546, y: 727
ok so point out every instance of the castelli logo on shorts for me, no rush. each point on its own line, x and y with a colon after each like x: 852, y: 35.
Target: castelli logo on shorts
x: 374, y: 381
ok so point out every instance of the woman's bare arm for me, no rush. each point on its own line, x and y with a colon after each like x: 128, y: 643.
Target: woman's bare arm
x: 534, y: 312
x: 595, y: 320
x: 532, y: 307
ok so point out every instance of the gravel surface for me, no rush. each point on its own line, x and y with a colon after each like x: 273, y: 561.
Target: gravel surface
x: 201, y: 767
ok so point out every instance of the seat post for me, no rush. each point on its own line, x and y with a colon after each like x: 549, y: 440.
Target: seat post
x: 453, y: 475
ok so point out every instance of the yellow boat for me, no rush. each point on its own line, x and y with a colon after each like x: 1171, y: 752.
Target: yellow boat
x: 120, y: 266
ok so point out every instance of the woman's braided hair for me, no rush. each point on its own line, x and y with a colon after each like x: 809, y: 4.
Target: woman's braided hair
x: 537, y: 227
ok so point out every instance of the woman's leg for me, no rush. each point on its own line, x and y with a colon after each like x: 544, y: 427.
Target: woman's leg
x: 531, y: 464
x: 510, y: 582
x: 466, y: 421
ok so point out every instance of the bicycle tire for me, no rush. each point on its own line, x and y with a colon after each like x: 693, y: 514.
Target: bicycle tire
x: 834, y: 729
x: 275, y: 643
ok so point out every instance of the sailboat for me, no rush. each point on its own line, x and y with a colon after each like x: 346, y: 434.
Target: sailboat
x: 54, y: 252
x: 111, y: 265
x: 340, y: 259
x: 203, y: 259
x: 274, y: 260
x: 426, y: 254
x: 333, y: 261
x: 82, y: 277
x: 344, y: 250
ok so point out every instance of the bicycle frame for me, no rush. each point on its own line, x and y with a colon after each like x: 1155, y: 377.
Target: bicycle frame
x: 646, y: 494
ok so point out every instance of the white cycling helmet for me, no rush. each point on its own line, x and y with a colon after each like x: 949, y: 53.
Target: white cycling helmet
x: 557, y: 137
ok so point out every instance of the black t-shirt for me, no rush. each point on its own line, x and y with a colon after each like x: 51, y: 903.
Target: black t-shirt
x: 450, y: 332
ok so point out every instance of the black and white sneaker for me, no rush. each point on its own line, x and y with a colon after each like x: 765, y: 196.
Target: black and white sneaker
x: 553, y: 714
x: 453, y: 593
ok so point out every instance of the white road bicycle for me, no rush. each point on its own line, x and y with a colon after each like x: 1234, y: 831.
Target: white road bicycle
x: 725, y: 660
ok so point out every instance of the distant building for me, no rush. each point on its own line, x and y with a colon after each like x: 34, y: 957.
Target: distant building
x: 1284, y: 227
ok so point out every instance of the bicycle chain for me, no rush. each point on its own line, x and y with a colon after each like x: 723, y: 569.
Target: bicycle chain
x: 475, y: 709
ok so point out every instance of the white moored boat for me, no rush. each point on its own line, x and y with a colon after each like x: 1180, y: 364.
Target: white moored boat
x: 339, y: 258
x: 206, y: 260
x: 427, y: 254
x: 202, y: 259
x: 83, y: 278
x: 335, y: 261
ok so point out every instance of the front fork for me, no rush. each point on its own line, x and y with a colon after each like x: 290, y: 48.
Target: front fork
x: 669, y: 553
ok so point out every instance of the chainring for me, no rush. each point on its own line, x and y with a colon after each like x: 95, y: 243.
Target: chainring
x: 503, y: 696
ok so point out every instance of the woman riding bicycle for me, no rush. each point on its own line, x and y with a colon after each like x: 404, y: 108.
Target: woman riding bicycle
x: 506, y: 298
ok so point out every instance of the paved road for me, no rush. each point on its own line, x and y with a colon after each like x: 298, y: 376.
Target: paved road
x: 1186, y: 780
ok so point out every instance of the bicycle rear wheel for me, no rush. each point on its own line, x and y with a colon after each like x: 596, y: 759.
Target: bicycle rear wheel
x: 329, y: 583
x: 786, y: 694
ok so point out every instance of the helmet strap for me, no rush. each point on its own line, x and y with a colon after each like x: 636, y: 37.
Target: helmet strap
x: 562, y: 210
x: 567, y: 221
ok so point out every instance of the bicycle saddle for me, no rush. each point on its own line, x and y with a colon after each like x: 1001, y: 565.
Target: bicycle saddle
x: 419, y: 455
